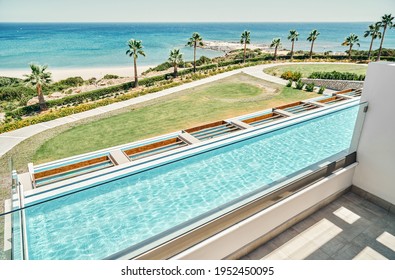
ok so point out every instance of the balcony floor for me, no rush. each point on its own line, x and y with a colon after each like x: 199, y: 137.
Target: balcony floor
x: 348, y: 228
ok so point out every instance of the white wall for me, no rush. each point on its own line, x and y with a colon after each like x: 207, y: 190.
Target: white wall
x: 375, y: 172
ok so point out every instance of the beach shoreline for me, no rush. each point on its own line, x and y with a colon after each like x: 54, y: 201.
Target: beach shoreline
x: 85, y: 73
x: 226, y: 47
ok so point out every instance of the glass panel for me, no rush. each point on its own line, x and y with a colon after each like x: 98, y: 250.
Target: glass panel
x: 143, y: 209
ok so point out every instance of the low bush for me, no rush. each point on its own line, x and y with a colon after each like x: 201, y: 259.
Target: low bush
x: 110, y: 76
x: 203, y: 60
x: 7, y: 81
x: 290, y: 75
x: 289, y: 84
x: 310, y: 87
x: 321, y: 90
x: 63, y: 84
x: 299, y: 84
x: 15, y: 93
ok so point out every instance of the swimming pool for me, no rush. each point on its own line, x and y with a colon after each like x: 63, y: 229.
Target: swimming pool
x: 100, y: 221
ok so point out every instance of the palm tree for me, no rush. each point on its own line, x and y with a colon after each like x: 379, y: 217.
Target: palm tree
x: 386, y: 21
x: 194, y: 41
x: 135, y: 49
x: 275, y: 44
x: 374, y: 32
x: 351, y: 41
x: 293, y: 36
x: 39, y: 78
x: 245, y: 39
x: 312, y: 37
x: 175, y: 58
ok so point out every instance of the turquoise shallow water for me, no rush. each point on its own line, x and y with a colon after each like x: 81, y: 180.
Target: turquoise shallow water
x: 84, y: 45
x: 103, y: 220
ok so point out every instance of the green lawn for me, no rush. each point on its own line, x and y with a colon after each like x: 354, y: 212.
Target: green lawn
x: 230, y: 97
x: 307, y: 69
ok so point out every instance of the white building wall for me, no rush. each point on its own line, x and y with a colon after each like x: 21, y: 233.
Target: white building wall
x: 375, y: 172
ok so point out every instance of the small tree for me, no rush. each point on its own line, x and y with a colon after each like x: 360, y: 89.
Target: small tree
x: 351, y: 41
x: 194, y: 41
x: 135, y: 49
x: 39, y: 78
x: 374, y: 32
x: 386, y: 22
x: 293, y: 36
x: 312, y: 37
x: 175, y: 58
x: 276, y: 43
x: 245, y: 39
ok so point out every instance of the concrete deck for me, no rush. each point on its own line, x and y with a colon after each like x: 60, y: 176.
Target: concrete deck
x: 348, y: 228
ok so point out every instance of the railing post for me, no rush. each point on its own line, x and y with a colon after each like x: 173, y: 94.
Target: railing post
x: 21, y: 197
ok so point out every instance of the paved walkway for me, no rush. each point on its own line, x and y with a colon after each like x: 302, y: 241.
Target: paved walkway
x: 348, y: 228
x: 9, y: 140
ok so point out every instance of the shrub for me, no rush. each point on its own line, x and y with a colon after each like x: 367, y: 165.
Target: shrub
x: 230, y: 62
x: 289, y: 75
x: 334, y: 75
x: 63, y: 84
x: 289, y: 84
x: 321, y: 90
x: 11, y: 93
x: 203, y: 60
x: 299, y: 84
x: 310, y: 87
x: 110, y: 76
x: 162, y: 67
x: 7, y: 81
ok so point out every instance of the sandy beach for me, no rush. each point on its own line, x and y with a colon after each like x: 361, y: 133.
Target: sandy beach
x: 85, y: 73
x: 231, y: 46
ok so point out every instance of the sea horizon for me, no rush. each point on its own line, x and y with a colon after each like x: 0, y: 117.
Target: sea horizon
x: 85, y: 45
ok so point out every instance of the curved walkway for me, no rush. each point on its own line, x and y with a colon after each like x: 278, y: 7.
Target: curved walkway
x: 9, y: 140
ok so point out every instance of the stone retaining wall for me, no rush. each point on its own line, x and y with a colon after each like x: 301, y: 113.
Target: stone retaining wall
x: 334, y: 84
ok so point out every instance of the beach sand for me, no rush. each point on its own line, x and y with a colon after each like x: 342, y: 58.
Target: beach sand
x: 85, y: 73
x: 231, y: 46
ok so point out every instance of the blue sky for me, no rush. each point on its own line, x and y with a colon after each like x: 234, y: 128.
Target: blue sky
x: 193, y: 11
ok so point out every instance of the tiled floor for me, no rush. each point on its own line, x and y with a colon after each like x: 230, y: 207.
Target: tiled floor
x: 348, y: 228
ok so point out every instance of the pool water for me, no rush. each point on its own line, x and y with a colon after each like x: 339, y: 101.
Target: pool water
x: 100, y: 221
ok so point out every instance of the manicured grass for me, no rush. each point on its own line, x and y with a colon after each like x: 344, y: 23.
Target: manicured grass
x: 307, y: 69
x: 230, y: 97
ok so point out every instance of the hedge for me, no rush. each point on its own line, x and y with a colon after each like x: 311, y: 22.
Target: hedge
x: 334, y: 75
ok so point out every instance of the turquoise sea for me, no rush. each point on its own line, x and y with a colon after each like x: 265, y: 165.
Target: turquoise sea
x: 84, y: 45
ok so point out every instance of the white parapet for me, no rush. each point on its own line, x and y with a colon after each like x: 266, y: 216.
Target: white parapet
x: 376, y: 150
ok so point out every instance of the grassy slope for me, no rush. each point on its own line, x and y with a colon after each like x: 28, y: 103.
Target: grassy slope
x: 233, y: 96
x: 307, y: 69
